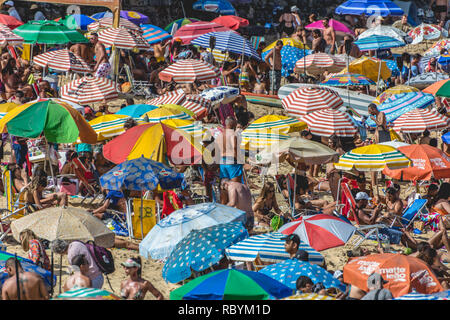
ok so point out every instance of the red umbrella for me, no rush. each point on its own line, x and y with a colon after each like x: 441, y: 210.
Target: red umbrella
x: 171, y: 97
x: 302, y: 101
x: 317, y: 63
x: 189, y: 71
x: 123, y: 38
x: 328, y: 122
x: 419, y: 120
x: 231, y: 22
x: 197, y: 104
x: 9, y: 21
x: 89, y: 89
x: 320, y: 231
x: 9, y: 38
x: 191, y: 31
x: 62, y: 60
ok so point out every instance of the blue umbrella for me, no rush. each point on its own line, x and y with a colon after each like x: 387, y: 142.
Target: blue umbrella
x: 141, y: 174
x: 167, y: 233
x: 104, y: 14
x: 377, y: 42
x: 78, y: 21
x: 201, y: 249
x: 369, y: 7
x: 446, y: 138
x: 444, y: 59
x: 287, y: 272
x: 228, y: 41
x: 289, y: 56
x: 222, y: 7
x: 154, y: 34
x: 136, y: 110
x: 399, y: 104
x: 392, y: 65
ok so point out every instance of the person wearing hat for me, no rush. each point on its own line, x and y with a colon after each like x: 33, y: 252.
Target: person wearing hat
x: 375, y: 284
x: 9, y: 5
x: 362, y: 200
x: 36, y: 13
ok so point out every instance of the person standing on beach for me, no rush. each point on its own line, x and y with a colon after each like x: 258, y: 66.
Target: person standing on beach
x: 273, y: 59
x: 102, y: 66
x: 381, y: 132
x: 239, y: 196
x: 329, y: 35
x: 227, y: 143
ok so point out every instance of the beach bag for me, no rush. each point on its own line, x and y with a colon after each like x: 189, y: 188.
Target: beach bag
x: 276, y: 222
x: 103, y: 258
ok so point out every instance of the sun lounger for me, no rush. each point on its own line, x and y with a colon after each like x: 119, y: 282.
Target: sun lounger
x: 411, y: 213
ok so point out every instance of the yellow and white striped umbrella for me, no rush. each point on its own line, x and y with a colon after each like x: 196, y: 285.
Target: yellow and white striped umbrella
x: 160, y: 114
x: 110, y: 125
x: 259, y: 140
x: 193, y: 128
x: 220, y: 56
x: 374, y: 157
x: 309, y: 296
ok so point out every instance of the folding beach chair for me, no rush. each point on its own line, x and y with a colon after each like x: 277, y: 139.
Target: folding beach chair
x: 411, y: 213
x: 150, y: 216
x: 138, y: 87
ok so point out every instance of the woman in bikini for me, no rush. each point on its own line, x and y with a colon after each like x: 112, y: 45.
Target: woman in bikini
x: 266, y: 206
x: 287, y: 23
x: 442, y: 205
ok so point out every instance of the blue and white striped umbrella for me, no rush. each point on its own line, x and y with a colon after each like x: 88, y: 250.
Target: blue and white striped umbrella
x: 377, y: 42
x: 222, y: 7
x: 269, y: 247
x: 228, y: 41
x: 154, y: 34
x: 370, y: 7
x: 399, y: 104
x: 287, y: 272
x: 289, y: 56
x: 445, y: 295
x: 164, y: 236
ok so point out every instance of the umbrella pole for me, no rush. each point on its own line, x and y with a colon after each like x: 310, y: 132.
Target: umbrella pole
x: 140, y: 213
x: 16, y: 265
x: 295, y: 193
x: 378, y: 78
x: 49, y: 161
x: 60, y: 272
x: 51, y: 275
x: 182, y: 8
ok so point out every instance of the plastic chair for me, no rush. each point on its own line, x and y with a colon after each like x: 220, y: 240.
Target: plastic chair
x: 411, y: 213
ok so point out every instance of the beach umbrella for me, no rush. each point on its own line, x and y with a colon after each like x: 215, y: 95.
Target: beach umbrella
x: 67, y: 224
x: 309, y: 296
x: 104, y: 14
x: 171, y: 97
x: 330, y: 122
x: 189, y: 71
x: 317, y: 63
x: 369, y: 7
x: 48, y: 32
x: 426, y: 79
x: 107, y: 22
x: 399, y: 104
x: 340, y: 28
x: 403, y: 273
x: 10, y: 21
x: 268, y: 248
x: 306, y: 100
x: 369, y: 67
x: 221, y: 94
x: 347, y: 79
x: 440, y: 88
x: 192, y: 31
x: 428, y: 162
x: 288, y: 271
x: 169, y: 231
x: 436, y: 48
x: 320, y: 231
x: 444, y: 59
x: 180, y: 23
x: 374, y: 157
x: 89, y: 90
x: 136, y: 110
x: 392, y: 65
x: 154, y: 34
x: 424, y: 32
x: 222, y: 7
x: 123, y: 38
x: 381, y: 30
x: 227, y: 41
x: 7, y: 107
x: 446, y: 138
x: 377, y: 42
x: 232, y: 22
x: 232, y: 284
x: 197, y: 104
x: 419, y: 120
x: 201, y: 249
x: 62, y: 60
x: 165, y: 113
x: 401, y: 88
x: 414, y: 295
x: 87, y: 294
x: 76, y: 106
x: 286, y: 42
x: 158, y: 141
x: 133, y: 16
x: 59, y: 123
x: 259, y: 140
x: 77, y: 21
x: 289, y: 57
x: 9, y: 38
x: 110, y: 125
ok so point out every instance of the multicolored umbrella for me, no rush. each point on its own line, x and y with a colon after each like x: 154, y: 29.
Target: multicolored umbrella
x: 48, y: 32
x: 306, y: 100
x: 169, y: 231
x: 444, y: 59
x: 62, y: 60
x: 401, y: 88
x: 381, y: 30
x: 428, y: 162
x: 108, y: 22
x: 340, y: 28
x: 189, y: 71
x: 289, y: 57
x: 330, y: 122
x: 7, y: 107
x: 369, y: 67
x: 268, y: 247
x: 347, y: 79
x: 194, y: 30
x: 419, y: 120
x: 9, y: 38
x: 440, y: 88
x: 10, y: 21
x: 89, y: 90
x: 369, y: 7
x: 180, y: 23
x: 59, y: 123
x: 436, y: 48
x: 133, y: 16
x: 123, y: 38
x: 232, y: 284
x: 87, y: 294
x: 377, y: 42
x: 77, y: 21
x: 109, y: 125
x: 374, y: 157
x: 223, y: 7
x: 403, y: 273
x: 288, y: 271
x: 424, y: 32
x: 171, y: 97
x: 309, y: 296
x: 201, y: 249
x: 154, y: 34
x: 320, y: 231
x: 426, y: 79
x: 136, y: 110
x: 165, y: 113
x: 317, y: 63
x: 232, y: 22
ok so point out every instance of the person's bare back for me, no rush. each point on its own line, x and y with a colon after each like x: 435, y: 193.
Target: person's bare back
x: 239, y: 197
x: 31, y: 287
x: 77, y: 280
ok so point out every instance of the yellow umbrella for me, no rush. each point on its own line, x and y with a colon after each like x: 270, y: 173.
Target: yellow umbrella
x: 369, y: 67
x: 109, y: 125
x: 287, y: 42
x: 160, y: 114
x: 394, y: 90
x: 7, y: 107
x: 176, y: 107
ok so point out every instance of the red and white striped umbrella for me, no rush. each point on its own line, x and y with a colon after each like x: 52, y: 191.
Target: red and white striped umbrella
x: 189, y: 71
x: 89, y: 90
x: 330, y: 121
x: 107, y: 22
x: 192, y: 31
x: 197, y: 104
x: 62, y: 60
x: 419, y: 120
x: 9, y: 38
x: 171, y: 97
x: 123, y: 39
x: 317, y: 63
x: 320, y: 231
x: 305, y: 100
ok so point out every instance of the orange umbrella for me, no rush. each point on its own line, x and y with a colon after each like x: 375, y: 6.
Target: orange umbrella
x: 402, y: 273
x: 427, y: 161
x: 435, y: 87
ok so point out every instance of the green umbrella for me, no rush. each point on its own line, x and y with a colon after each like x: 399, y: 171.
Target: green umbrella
x: 48, y: 32
x: 444, y: 90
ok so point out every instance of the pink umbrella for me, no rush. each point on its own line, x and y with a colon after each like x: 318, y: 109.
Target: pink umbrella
x: 340, y: 28
x: 320, y: 231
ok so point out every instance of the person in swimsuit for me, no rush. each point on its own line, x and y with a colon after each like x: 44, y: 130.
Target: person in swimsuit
x: 36, y: 253
x: 382, y: 132
x: 266, y: 206
x: 9, y: 77
x: 442, y: 205
x: 34, y: 196
x: 135, y: 287
x: 79, y: 278
x: 287, y: 20
x: 102, y: 66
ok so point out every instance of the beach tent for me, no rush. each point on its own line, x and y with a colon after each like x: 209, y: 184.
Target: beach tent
x: 410, y: 9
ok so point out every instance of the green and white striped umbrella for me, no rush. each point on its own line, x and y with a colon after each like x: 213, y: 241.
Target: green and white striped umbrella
x: 48, y: 32
x: 87, y: 294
